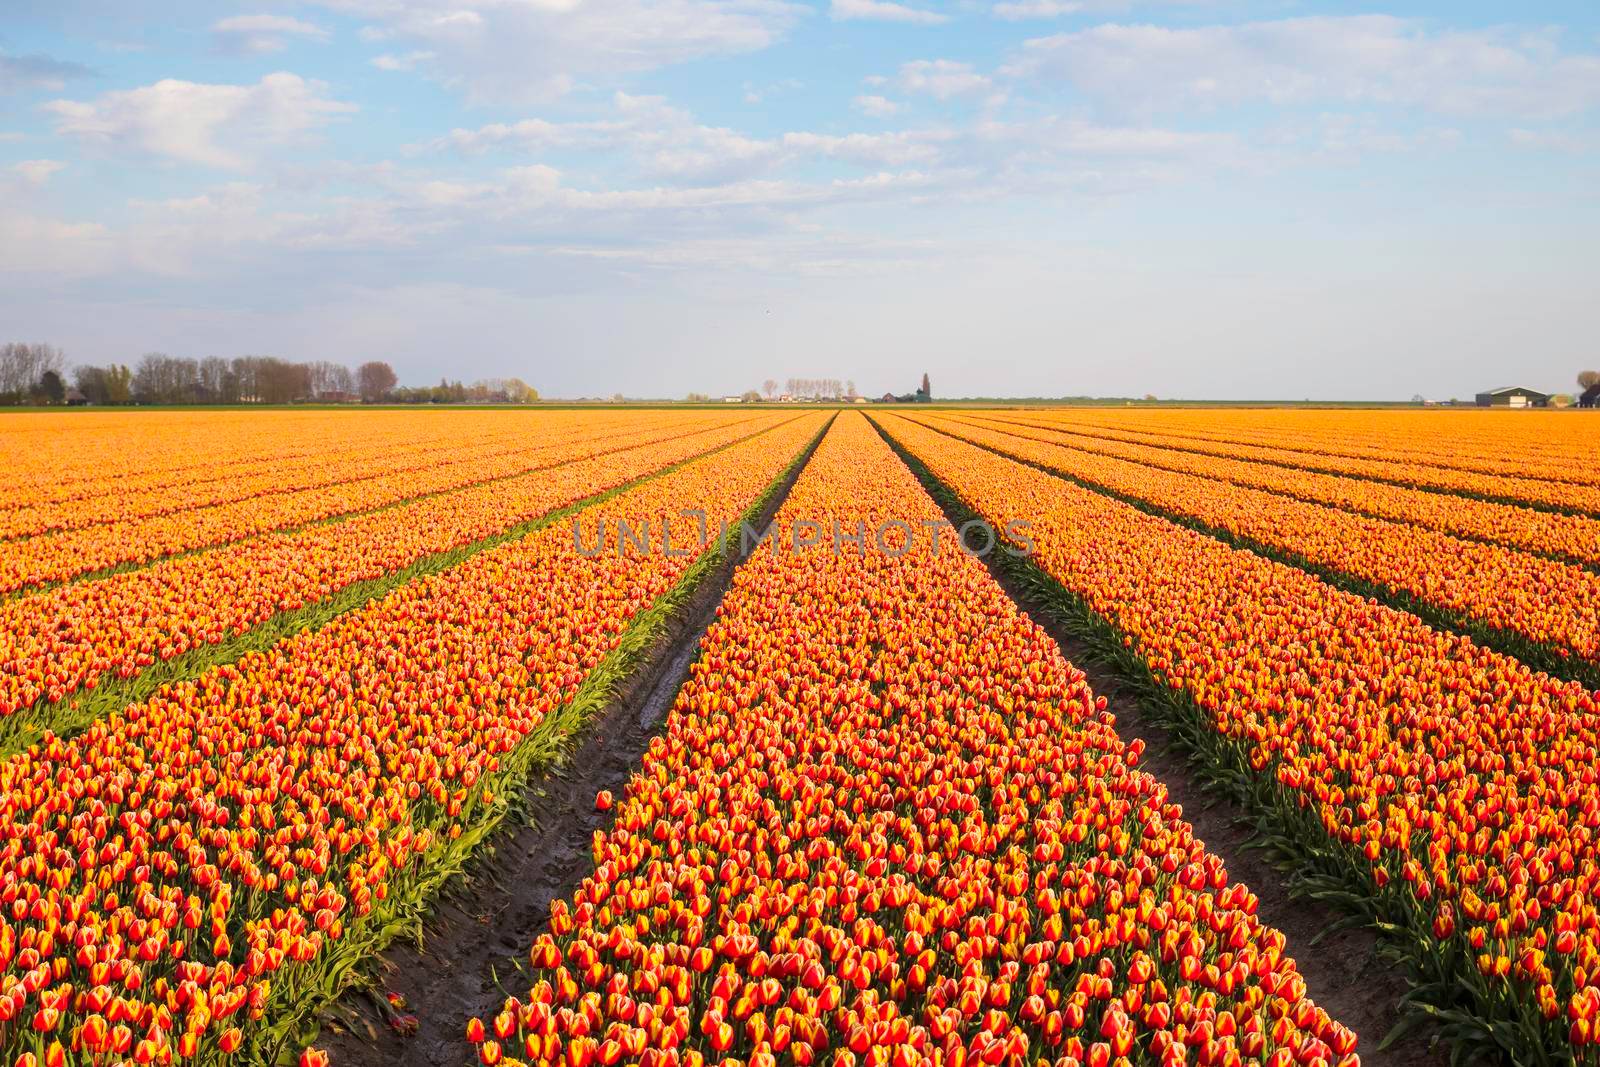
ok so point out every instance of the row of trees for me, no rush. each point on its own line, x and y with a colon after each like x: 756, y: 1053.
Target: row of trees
x: 33, y: 373
x: 812, y: 388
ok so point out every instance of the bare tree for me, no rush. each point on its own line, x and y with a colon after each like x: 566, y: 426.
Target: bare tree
x: 281, y: 382
x: 374, y: 380
x: 164, y: 379
x: 329, y: 378
x: 769, y: 387
x: 23, y: 365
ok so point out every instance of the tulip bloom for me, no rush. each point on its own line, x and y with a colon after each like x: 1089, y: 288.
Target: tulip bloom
x: 887, y: 822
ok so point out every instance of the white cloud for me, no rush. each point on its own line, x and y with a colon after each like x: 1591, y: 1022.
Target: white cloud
x: 1566, y: 141
x: 868, y: 149
x: 42, y: 246
x: 1036, y: 9
x: 212, y: 125
x: 36, y: 172
x: 1370, y: 59
x: 879, y: 107
x: 941, y: 78
x: 1017, y: 10
x: 533, y: 50
x: 884, y: 11
x: 666, y: 143
x: 405, y: 61
x: 261, y: 34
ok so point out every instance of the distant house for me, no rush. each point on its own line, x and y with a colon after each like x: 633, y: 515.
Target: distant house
x: 1513, y: 396
x: 733, y: 400
x: 75, y: 398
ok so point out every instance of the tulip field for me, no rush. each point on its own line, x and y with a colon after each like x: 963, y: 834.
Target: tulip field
x: 274, y: 684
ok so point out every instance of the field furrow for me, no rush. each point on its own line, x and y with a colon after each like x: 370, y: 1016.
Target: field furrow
x: 129, y: 499
x: 887, y: 819
x: 1525, y: 491
x: 1436, y: 786
x: 1542, y: 610
x: 52, y: 558
x: 72, y: 653
x: 1571, y: 538
x: 192, y: 876
x: 1477, y: 441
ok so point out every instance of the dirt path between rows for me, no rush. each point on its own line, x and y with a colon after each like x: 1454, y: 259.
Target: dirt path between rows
x: 480, y: 930
x: 1343, y: 972
x: 476, y: 938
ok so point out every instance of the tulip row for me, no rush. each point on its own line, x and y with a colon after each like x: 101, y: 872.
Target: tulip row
x: 1543, y: 446
x: 112, y: 630
x: 1531, y: 491
x: 1540, y: 608
x: 1574, y: 538
x: 71, y: 554
x: 432, y: 447
x: 188, y: 877
x: 1454, y: 789
x: 63, y: 457
x: 889, y: 824
x: 35, y: 508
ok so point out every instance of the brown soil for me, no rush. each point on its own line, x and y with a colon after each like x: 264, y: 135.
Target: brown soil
x: 471, y: 950
x: 1343, y: 972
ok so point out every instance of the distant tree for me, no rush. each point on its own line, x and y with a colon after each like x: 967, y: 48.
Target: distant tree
x: 769, y: 387
x: 51, y: 389
x: 91, y: 382
x: 280, y: 382
x: 21, y: 367
x: 618, y: 398
x: 111, y: 384
x: 217, y: 382
x: 374, y: 380
x: 164, y: 379
x: 1589, y: 378
x: 329, y: 377
x: 697, y: 398
x: 119, y: 384
x: 750, y: 396
x: 519, y: 392
x: 246, y: 379
x: 850, y: 389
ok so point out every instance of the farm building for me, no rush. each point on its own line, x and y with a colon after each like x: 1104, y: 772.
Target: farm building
x: 1590, y: 397
x: 1513, y: 396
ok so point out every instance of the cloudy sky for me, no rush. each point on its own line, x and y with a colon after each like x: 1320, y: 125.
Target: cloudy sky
x: 1192, y: 198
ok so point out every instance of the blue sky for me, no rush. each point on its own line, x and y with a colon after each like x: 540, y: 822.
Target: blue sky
x: 1189, y: 198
